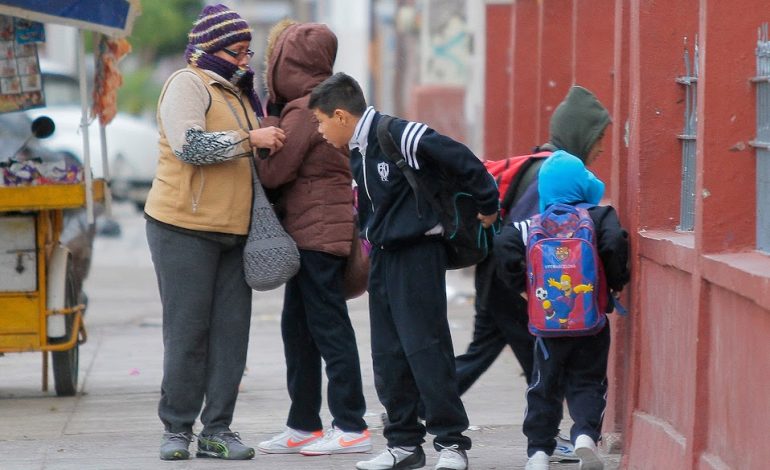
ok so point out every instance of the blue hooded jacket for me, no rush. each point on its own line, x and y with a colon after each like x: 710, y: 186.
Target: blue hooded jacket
x: 565, y: 179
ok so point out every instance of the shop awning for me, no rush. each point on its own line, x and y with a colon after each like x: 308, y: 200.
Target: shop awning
x: 111, y: 17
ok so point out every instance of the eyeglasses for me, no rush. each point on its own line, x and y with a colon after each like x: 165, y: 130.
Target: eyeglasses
x: 239, y: 55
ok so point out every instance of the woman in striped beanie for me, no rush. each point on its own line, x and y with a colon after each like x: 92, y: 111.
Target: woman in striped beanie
x: 198, y: 213
x: 220, y: 34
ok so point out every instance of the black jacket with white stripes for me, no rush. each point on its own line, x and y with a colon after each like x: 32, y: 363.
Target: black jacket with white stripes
x: 510, y: 250
x: 388, y: 214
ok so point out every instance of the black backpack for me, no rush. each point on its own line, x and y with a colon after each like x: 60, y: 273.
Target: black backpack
x: 466, y: 240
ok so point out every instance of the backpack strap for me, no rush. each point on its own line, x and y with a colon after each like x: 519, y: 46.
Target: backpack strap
x: 389, y: 147
x: 620, y: 308
x: 521, y: 182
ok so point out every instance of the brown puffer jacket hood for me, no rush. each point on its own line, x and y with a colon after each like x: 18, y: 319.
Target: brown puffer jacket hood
x: 315, y: 199
x: 305, y: 53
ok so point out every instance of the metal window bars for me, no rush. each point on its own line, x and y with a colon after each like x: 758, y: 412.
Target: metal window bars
x: 690, y: 83
x: 762, y: 141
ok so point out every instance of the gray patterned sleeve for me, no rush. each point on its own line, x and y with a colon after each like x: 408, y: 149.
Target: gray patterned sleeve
x: 182, y: 118
x: 205, y: 148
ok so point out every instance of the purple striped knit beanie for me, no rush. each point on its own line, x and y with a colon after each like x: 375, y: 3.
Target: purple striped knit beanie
x: 216, y: 28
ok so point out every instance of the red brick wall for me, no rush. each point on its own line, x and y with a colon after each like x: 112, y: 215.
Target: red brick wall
x: 440, y: 107
x: 497, y: 92
x: 684, y: 363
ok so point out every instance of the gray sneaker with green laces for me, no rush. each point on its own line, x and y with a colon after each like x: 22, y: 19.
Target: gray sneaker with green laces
x: 223, y: 445
x: 174, y: 446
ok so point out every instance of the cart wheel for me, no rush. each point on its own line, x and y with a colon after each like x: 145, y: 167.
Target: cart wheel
x: 65, y: 363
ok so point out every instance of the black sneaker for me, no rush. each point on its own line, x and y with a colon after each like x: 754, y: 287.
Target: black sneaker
x: 224, y: 445
x: 174, y: 446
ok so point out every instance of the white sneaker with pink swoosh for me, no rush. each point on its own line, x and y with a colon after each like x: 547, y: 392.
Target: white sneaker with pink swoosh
x: 337, y: 441
x: 291, y: 441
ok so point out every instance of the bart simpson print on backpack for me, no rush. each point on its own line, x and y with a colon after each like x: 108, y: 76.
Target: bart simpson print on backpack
x: 565, y: 276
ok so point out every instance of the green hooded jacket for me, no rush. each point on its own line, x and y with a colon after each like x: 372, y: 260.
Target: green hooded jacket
x: 576, y: 124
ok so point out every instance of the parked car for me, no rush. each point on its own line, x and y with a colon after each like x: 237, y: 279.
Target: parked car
x: 131, y: 141
x: 77, y: 235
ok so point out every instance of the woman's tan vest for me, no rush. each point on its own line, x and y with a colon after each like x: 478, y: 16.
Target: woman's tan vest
x: 210, y: 198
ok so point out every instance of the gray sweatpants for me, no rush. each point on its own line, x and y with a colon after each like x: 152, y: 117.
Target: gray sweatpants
x: 206, y: 316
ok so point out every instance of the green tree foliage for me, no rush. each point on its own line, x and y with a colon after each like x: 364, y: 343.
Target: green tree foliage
x: 138, y: 94
x: 162, y: 28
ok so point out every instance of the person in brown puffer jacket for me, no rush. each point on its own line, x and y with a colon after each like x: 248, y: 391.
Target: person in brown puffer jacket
x: 315, y: 201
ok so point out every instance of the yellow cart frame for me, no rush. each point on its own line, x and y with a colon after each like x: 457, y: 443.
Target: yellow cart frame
x: 24, y: 319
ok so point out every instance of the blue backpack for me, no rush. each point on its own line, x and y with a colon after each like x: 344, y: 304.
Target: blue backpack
x: 566, y: 286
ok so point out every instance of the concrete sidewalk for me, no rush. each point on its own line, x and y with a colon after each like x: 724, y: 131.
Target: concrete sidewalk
x: 112, y: 422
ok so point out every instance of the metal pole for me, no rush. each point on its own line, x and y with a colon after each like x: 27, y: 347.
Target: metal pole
x: 106, y: 170
x: 103, y: 141
x: 84, y: 127
x: 45, y: 371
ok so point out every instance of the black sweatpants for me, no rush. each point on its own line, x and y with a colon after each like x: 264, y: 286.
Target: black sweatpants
x: 575, y: 368
x: 314, y: 325
x: 412, y: 349
x: 206, y: 316
x: 501, y: 319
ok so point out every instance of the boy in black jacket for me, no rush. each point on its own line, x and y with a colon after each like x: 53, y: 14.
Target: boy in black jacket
x: 412, y: 350
x: 571, y: 367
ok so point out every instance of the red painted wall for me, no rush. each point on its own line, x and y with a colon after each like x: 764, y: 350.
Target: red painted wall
x: 497, y: 92
x: 525, y: 114
x: 689, y: 366
x: 728, y: 99
x: 555, y: 61
x: 442, y: 107
x: 592, y: 63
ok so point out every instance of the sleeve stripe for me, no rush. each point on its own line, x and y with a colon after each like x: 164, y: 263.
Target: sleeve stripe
x: 523, y: 228
x: 410, y: 137
x: 422, y: 130
x: 405, y: 139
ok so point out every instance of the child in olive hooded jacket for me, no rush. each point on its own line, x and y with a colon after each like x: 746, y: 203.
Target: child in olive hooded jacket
x: 315, y: 201
x: 577, y: 126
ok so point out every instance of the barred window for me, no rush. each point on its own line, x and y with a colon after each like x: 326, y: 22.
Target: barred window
x: 762, y: 141
x: 688, y: 137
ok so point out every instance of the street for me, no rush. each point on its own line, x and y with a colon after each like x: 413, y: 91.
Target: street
x: 112, y: 422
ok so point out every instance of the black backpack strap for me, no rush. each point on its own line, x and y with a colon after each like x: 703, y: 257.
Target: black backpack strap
x: 389, y: 147
x: 521, y: 182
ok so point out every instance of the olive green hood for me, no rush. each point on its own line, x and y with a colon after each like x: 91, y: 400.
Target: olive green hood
x: 578, y: 122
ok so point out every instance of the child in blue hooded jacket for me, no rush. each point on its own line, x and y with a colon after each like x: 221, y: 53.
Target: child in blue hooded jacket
x: 574, y: 368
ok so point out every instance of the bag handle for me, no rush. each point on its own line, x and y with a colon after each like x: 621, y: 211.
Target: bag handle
x: 559, y: 207
x: 259, y: 191
x: 238, y: 118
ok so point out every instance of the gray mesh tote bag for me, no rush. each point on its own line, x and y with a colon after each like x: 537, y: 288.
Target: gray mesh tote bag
x: 270, y: 257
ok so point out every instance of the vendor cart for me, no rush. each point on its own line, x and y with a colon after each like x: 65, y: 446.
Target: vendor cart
x: 41, y: 305
x: 39, y: 309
